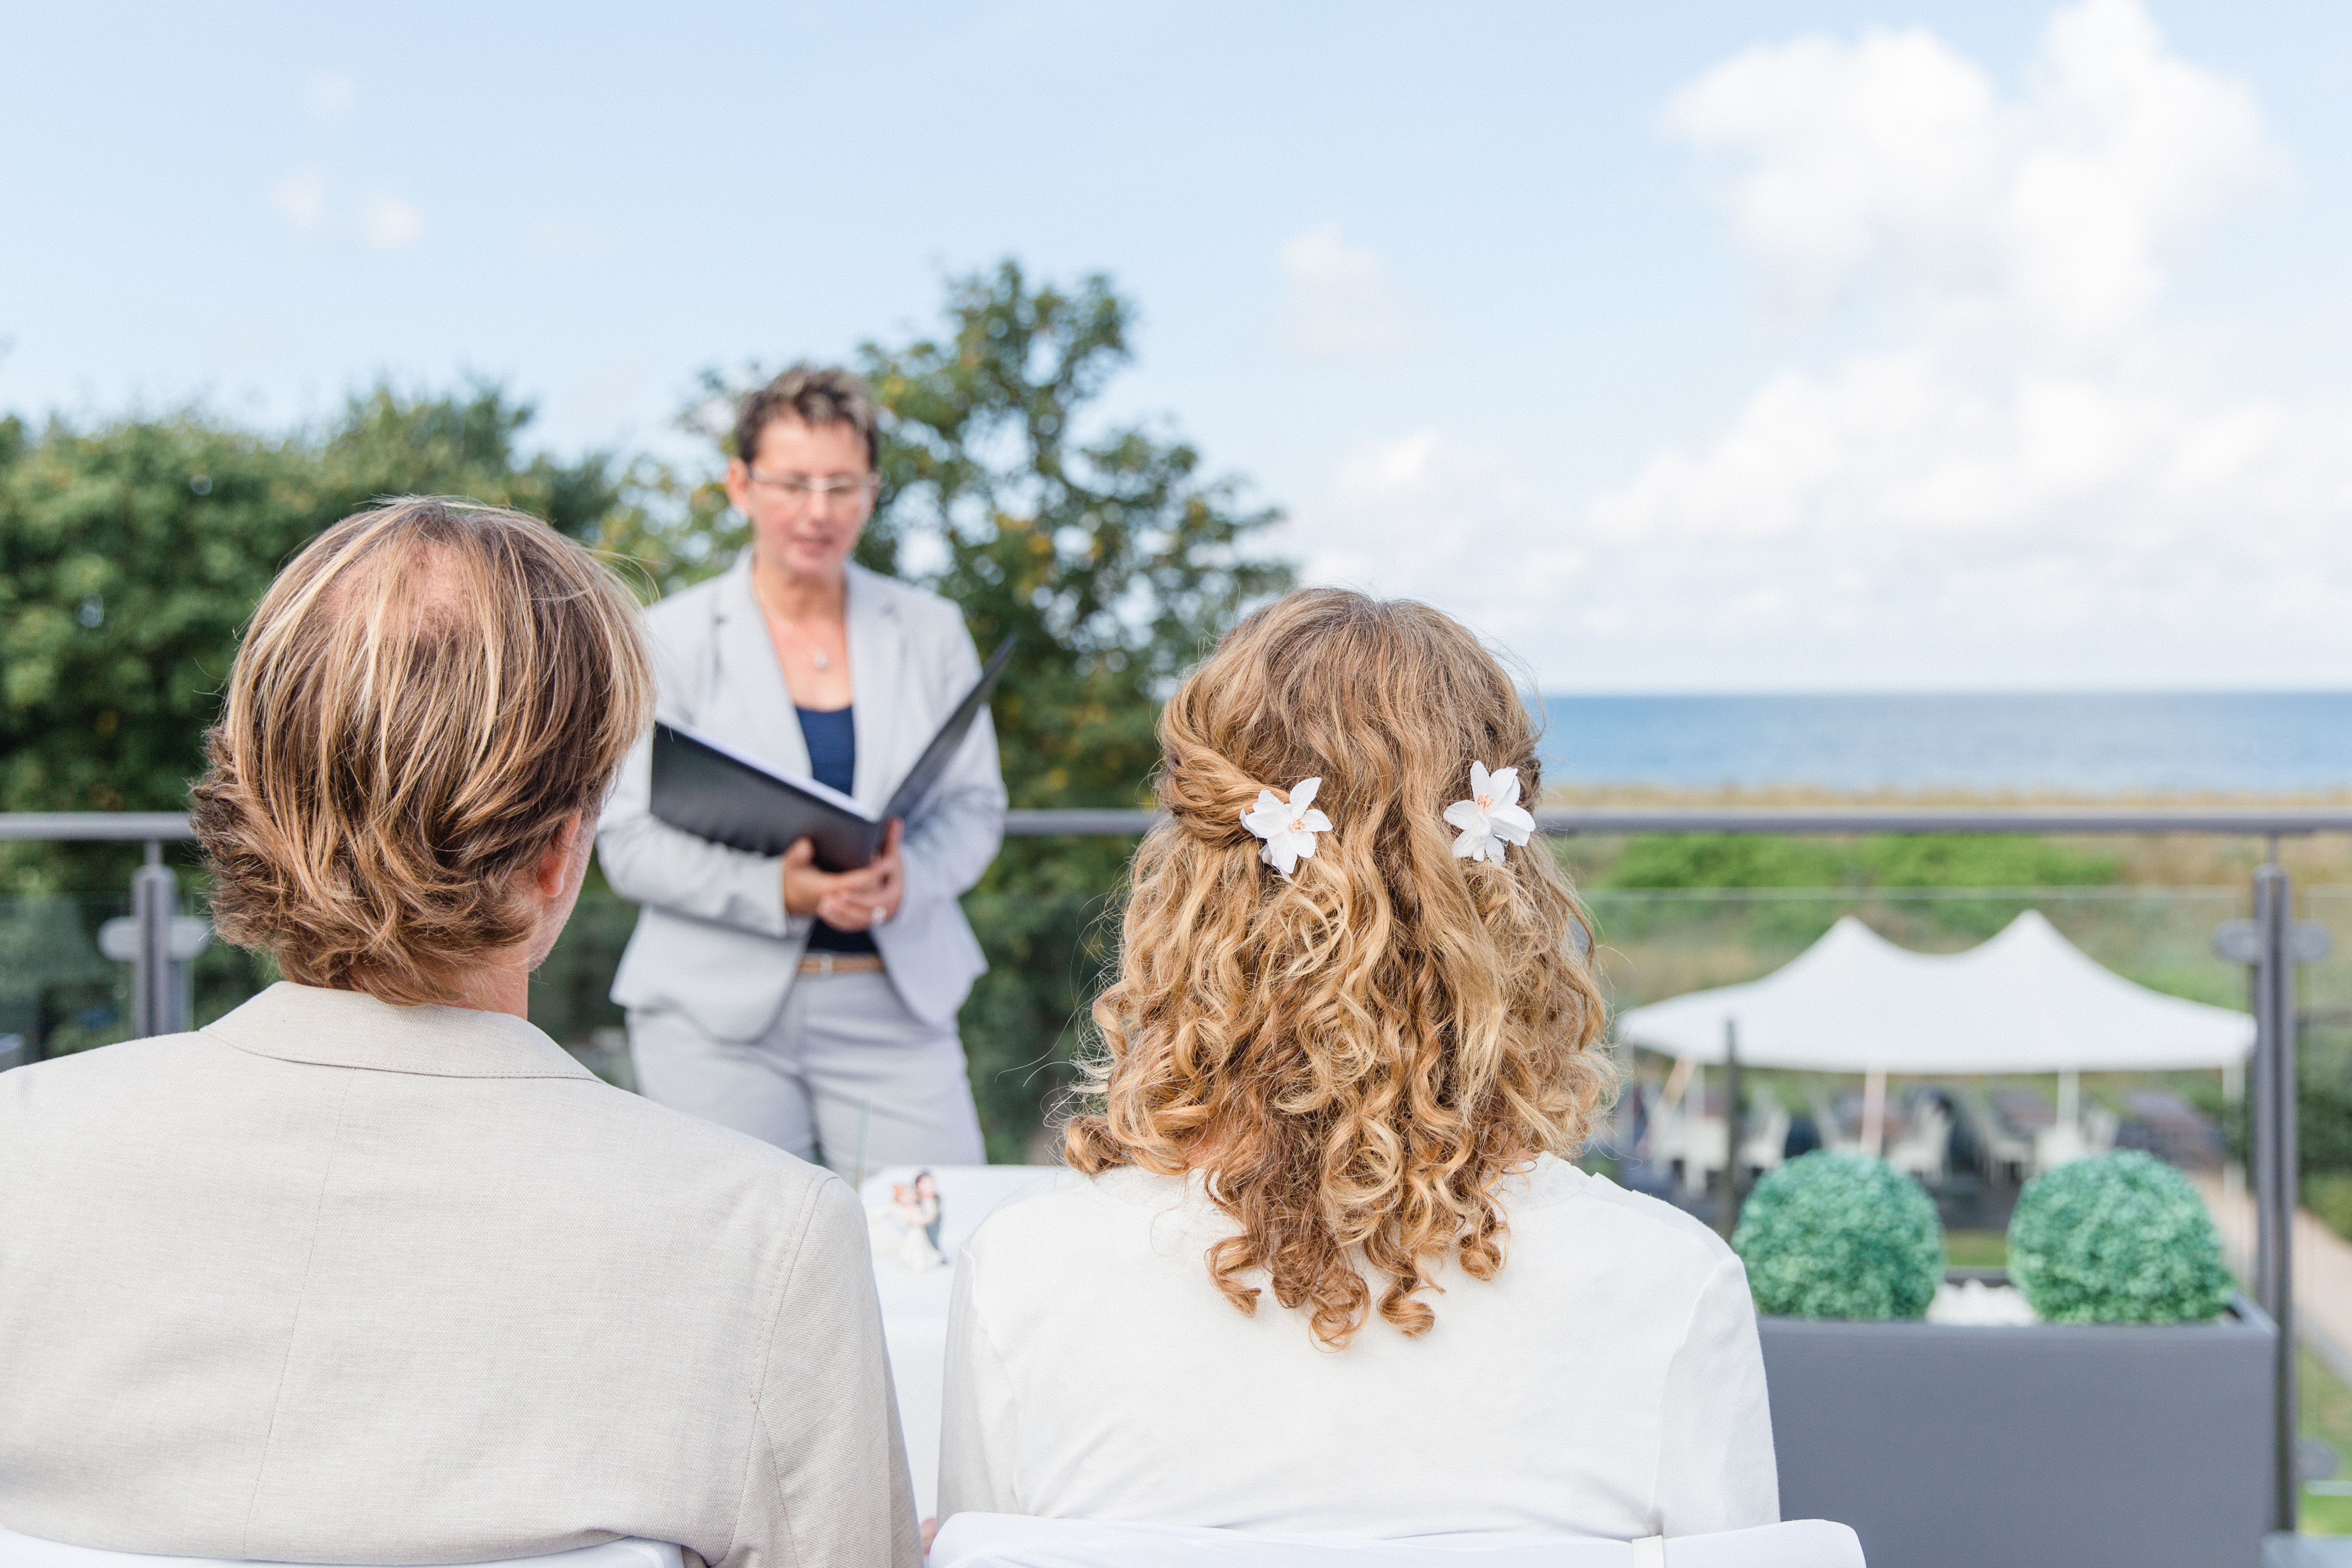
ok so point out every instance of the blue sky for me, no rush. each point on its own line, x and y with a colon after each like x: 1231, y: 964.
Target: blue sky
x: 1713, y: 347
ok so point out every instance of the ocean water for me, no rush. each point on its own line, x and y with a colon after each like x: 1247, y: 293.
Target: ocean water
x: 2257, y: 743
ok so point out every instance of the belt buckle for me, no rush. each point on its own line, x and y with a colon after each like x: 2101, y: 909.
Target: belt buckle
x: 823, y: 963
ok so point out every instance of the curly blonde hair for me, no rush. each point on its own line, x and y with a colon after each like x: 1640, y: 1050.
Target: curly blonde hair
x: 1357, y: 1056
x: 425, y: 695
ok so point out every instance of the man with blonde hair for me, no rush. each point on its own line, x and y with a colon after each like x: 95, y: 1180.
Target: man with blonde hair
x: 370, y: 1270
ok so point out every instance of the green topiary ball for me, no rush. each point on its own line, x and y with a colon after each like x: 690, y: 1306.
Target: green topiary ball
x: 2118, y: 1238
x: 1840, y: 1235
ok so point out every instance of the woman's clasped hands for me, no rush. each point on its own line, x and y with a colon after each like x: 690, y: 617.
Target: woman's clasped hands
x: 848, y: 900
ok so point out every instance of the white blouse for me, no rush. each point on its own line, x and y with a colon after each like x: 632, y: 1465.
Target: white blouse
x: 1606, y: 1382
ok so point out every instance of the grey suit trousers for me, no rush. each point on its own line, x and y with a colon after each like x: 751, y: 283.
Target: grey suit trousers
x: 847, y: 1072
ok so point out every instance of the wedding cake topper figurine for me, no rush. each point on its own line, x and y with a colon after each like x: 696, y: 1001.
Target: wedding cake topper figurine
x: 906, y: 1230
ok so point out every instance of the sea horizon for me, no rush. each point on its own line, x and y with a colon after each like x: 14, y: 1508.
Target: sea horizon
x: 2258, y: 743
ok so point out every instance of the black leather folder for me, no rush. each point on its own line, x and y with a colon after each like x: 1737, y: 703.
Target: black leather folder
x: 707, y: 788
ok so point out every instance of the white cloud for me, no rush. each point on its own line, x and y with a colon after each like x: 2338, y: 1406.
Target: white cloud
x: 1426, y: 517
x: 329, y: 96
x: 1338, y: 301
x: 1895, y: 160
x: 2034, y: 476
x: 389, y: 223
x: 300, y: 199
x: 312, y: 202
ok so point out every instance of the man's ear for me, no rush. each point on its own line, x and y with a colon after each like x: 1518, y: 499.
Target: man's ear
x: 553, y: 874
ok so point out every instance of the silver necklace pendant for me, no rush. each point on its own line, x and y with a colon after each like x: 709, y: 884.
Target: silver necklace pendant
x: 816, y: 654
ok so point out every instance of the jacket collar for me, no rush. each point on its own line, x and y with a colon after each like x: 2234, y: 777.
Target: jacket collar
x: 876, y: 650
x: 351, y: 1028
x: 750, y: 705
x: 755, y: 683
x: 864, y: 600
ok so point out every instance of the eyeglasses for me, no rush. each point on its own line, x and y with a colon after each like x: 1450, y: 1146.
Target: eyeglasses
x: 800, y: 490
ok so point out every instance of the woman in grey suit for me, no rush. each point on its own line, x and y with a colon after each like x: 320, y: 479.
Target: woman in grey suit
x: 813, y: 1010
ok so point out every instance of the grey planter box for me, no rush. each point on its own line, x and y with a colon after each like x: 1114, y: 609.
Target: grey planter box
x: 2084, y: 1446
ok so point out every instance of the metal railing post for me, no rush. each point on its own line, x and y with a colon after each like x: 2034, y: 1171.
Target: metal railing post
x: 2273, y: 1152
x: 154, y: 989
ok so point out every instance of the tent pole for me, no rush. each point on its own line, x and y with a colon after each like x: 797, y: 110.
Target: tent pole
x: 1693, y: 1116
x: 2234, y: 1171
x: 1874, y: 1113
x: 1670, y: 1098
x: 2070, y: 1096
x: 1732, y: 1127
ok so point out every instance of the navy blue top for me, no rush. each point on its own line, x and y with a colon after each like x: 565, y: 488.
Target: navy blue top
x: 832, y: 737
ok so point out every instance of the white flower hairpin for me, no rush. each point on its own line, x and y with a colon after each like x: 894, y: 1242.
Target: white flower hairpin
x: 1492, y: 817
x: 1288, y: 830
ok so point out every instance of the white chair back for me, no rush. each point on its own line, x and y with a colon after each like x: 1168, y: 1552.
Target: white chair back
x: 25, y: 1551
x: 1007, y: 1541
x: 1767, y: 1142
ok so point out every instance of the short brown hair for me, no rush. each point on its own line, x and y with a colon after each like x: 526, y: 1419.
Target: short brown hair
x: 814, y: 395
x: 422, y: 697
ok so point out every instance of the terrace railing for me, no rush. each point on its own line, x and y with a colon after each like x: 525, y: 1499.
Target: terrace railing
x: 159, y: 942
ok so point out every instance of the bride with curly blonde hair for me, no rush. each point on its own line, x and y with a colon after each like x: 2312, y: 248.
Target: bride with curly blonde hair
x: 1350, y: 1047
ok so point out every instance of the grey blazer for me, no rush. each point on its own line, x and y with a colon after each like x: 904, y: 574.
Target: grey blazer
x: 336, y: 1281
x: 712, y: 940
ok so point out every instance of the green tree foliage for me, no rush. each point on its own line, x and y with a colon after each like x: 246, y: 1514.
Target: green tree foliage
x: 1112, y: 560
x: 2323, y: 1118
x: 469, y: 444
x: 2322, y: 1103
x: 1108, y: 554
x: 131, y: 552
x: 1105, y: 552
x: 1113, y: 563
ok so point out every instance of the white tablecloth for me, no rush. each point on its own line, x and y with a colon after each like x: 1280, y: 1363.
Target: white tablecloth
x: 915, y: 1306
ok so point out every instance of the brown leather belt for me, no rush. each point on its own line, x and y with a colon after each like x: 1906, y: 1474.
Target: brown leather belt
x: 841, y: 963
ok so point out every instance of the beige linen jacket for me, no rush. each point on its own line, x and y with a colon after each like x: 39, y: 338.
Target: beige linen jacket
x: 336, y: 1281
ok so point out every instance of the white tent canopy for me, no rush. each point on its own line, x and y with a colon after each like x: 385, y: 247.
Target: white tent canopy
x: 2027, y: 1001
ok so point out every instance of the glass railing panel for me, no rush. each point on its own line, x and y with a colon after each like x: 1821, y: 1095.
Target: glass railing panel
x: 58, y: 993
x: 1021, y: 1026
x: 1656, y: 943
x: 1026, y: 1020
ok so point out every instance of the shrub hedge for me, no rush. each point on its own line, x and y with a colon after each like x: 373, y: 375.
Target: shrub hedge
x: 1840, y: 1235
x: 2118, y: 1238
